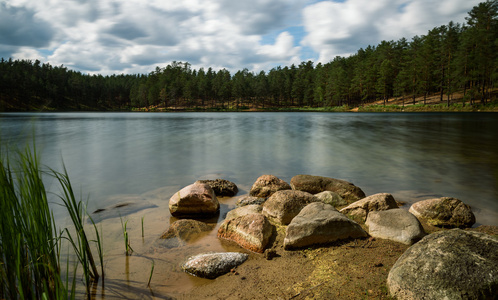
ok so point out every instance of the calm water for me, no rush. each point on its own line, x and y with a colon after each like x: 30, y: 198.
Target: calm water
x: 413, y: 156
x: 144, y: 158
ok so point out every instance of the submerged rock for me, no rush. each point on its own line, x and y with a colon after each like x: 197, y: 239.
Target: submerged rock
x: 266, y: 185
x: 128, y: 205
x: 284, y: 205
x: 361, y: 208
x: 450, y: 264
x: 184, y: 231
x: 317, y: 184
x: 197, y: 199
x: 445, y: 212
x: 221, y: 187
x: 212, y: 265
x: 252, y: 231
x: 320, y: 223
x: 396, y: 225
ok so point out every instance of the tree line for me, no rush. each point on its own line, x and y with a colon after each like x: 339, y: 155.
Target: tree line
x: 448, y: 59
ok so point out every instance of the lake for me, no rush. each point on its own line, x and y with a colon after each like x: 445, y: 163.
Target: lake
x: 134, y: 157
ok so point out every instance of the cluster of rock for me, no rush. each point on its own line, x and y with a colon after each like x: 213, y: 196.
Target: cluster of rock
x: 307, y: 207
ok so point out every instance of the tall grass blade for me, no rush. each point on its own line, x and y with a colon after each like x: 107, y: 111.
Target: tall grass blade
x: 75, y: 210
x: 29, y: 251
x: 142, y: 226
x: 100, y: 247
x: 151, y: 272
x: 29, y: 246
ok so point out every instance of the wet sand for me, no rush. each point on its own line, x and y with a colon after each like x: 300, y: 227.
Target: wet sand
x: 344, y: 270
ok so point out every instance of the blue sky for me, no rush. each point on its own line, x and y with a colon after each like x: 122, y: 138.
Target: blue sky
x: 135, y: 36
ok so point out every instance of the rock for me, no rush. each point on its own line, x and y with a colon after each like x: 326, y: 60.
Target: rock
x: 361, y: 208
x: 196, y: 199
x: 266, y: 185
x: 284, y: 205
x: 249, y: 200
x: 270, y: 254
x: 121, y: 209
x: 244, y: 210
x: 445, y: 212
x: 221, y: 187
x: 320, y: 223
x: 317, y: 184
x: 212, y: 265
x: 251, y: 232
x: 449, y: 264
x: 186, y: 229
x: 331, y: 198
x: 396, y: 225
x: 183, y: 231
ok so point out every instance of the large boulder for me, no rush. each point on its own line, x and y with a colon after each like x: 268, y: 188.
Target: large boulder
x: 212, y: 265
x: 395, y: 224
x: 361, y: 208
x: 444, y: 212
x: 450, y: 264
x: 184, y: 231
x: 197, y: 199
x: 221, y: 187
x: 331, y: 198
x: 284, y: 205
x: 252, y: 232
x: 266, y: 185
x: 244, y: 210
x: 320, y: 223
x: 317, y: 184
x: 250, y: 200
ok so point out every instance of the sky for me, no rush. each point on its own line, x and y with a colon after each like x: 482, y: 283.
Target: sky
x: 136, y: 36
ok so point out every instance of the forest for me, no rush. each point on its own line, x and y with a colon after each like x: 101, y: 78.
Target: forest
x: 450, y: 59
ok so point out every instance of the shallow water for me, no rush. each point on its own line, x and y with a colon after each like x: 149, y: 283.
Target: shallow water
x: 121, y: 157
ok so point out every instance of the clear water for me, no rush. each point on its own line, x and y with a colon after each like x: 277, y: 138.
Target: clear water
x: 411, y: 155
x: 146, y: 157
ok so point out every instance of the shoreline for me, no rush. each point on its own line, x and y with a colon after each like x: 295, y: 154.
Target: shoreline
x: 390, y: 106
x: 349, y: 269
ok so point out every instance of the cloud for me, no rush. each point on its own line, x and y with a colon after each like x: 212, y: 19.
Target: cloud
x: 135, y: 36
x: 139, y: 35
x: 283, y: 48
x: 127, y: 31
x: 341, y: 28
x: 19, y: 26
x: 260, y: 16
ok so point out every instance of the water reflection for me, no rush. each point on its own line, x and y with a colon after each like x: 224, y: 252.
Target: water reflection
x: 132, y: 153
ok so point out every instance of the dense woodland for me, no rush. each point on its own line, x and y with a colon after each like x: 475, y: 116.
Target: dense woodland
x: 448, y: 59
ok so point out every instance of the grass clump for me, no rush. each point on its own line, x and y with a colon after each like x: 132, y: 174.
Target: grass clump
x: 30, y: 244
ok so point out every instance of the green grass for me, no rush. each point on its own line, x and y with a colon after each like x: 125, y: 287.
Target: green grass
x: 143, y: 226
x: 151, y: 272
x: 455, y: 107
x: 128, y: 249
x: 30, y: 243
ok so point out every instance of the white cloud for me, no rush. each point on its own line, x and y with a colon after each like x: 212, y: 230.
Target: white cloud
x: 341, y: 28
x: 283, y: 47
x: 115, y: 36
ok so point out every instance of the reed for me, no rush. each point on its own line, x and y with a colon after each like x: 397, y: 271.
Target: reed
x: 30, y: 245
x: 128, y: 248
x: 143, y: 226
x: 151, y: 272
x: 80, y: 243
